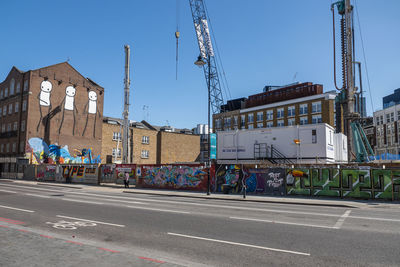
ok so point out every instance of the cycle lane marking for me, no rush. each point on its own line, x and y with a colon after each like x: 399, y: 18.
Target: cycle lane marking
x: 86, y: 220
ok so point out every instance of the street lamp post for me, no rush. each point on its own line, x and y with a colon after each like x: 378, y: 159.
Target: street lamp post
x: 200, y: 62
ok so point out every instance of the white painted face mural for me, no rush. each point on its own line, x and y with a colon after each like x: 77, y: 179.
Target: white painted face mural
x: 70, y: 92
x: 44, y: 96
x: 92, y: 109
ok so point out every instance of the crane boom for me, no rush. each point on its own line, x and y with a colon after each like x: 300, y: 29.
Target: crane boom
x: 207, y: 53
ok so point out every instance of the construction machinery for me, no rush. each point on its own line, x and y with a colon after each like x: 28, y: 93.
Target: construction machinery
x: 347, y: 119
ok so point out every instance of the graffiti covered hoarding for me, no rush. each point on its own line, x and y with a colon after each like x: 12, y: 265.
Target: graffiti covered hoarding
x: 86, y: 174
x: 189, y: 177
x: 46, y: 172
x: 269, y: 181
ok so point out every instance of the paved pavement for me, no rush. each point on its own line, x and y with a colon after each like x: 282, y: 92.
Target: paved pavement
x: 137, y: 229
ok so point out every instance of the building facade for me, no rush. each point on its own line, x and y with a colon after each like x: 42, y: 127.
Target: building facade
x: 298, y: 104
x: 202, y: 130
x: 149, y: 144
x: 387, y: 124
x: 48, y: 115
x: 392, y: 99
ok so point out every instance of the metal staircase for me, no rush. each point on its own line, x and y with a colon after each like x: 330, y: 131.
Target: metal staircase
x: 264, y: 151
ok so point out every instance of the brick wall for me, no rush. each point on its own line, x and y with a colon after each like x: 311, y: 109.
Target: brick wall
x: 176, y: 147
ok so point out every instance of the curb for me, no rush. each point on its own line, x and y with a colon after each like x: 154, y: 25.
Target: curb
x: 250, y: 200
x: 59, y: 185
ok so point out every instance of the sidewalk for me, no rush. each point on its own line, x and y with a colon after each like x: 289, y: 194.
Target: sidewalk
x: 295, y: 200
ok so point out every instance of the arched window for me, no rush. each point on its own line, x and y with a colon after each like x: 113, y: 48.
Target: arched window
x: 18, y: 89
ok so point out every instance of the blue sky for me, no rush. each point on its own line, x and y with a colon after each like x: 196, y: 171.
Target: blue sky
x: 260, y: 42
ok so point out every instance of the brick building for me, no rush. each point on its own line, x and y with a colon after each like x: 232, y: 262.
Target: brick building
x: 297, y: 104
x: 149, y: 144
x: 51, y: 114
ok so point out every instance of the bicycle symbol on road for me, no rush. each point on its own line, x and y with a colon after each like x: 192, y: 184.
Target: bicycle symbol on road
x: 65, y: 225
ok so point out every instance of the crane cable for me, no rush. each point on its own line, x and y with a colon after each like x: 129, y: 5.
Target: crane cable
x: 365, y: 59
x: 177, y: 34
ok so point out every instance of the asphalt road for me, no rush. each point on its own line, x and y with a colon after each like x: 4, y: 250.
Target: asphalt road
x: 59, y: 226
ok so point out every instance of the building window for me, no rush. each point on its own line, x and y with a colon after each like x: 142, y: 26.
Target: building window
x: 14, y: 147
x: 15, y: 127
x: 4, y: 111
x: 250, y: 126
x: 314, y: 136
x: 235, y: 121
x: 16, y: 108
x: 279, y: 113
x: 145, y: 154
x: 381, y: 119
x: 227, y: 123
x: 1, y: 112
x: 242, y: 121
x: 392, y: 117
x: 291, y: 122
x: 18, y: 89
x: 26, y: 85
x: 2, y: 148
x: 8, y: 147
x: 145, y: 139
x: 330, y: 138
x: 21, y: 147
x: 22, y: 126
x: 10, y: 110
x: 116, y: 136
x: 316, y: 119
x: 270, y: 124
x: 291, y: 111
x: 24, y: 105
x: 259, y: 116
x: 303, y: 109
x: 250, y: 118
x: 270, y: 115
x: 218, y: 123
x: 303, y: 120
x: 12, y: 86
x: 387, y: 118
x: 3, y: 128
x: 116, y: 152
x: 9, y: 127
x: 260, y: 125
x: 6, y: 92
x: 316, y: 107
x: 1, y: 94
x: 280, y: 123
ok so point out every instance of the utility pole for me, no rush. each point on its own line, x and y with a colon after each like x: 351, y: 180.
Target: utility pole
x: 125, y: 114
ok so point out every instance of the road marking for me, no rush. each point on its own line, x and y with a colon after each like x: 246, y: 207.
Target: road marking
x: 340, y: 222
x: 150, y: 259
x: 5, y: 226
x: 7, y: 191
x: 74, y: 242
x: 22, y: 230
x: 110, y: 250
x: 35, y: 195
x: 280, y: 222
x: 47, y: 236
x: 10, y: 221
x: 242, y: 244
x: 163, y: 210
x: 373, y: 218
x: 86, y: 220
x: 12, y: 208
x: 83, y: 201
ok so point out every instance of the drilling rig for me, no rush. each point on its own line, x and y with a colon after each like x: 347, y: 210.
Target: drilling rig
x: 359, y: 149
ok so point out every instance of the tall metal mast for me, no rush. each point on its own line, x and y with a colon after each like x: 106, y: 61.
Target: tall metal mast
x: 357, y: 143
x: 207, y: 53
x: 125, y: 114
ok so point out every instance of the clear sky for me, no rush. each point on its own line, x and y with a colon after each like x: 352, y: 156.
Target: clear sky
x: 260, y: 42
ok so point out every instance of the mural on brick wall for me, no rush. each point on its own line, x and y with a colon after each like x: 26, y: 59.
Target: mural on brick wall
x: 91, y: 111
x: 43, y: 153
x: 174, y: 177
x: 44, y: 102
x: 69, y: 106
